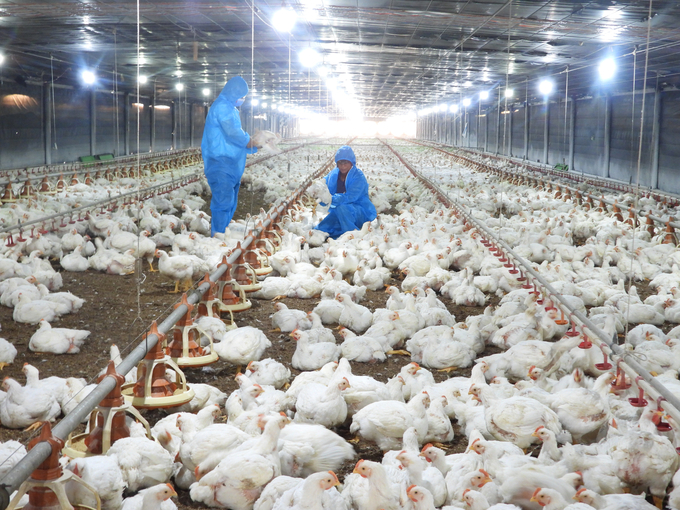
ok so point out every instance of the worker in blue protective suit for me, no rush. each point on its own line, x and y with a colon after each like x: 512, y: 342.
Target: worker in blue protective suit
x: 224, y: 147
x: 351, y: 207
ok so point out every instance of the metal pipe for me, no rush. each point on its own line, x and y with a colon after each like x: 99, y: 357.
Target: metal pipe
x: 546, y: 131
x: 627, y: 359
x: 93, y: 121
x: 47, y: 121
x: 607, y: 135
x: 41, y: 451
x: 656, y: 136
x: 572, y: 133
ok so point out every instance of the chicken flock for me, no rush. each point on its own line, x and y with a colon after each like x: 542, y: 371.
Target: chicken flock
x: 547, y: 422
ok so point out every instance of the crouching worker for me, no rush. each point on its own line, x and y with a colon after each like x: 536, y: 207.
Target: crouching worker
x: 350, y: 207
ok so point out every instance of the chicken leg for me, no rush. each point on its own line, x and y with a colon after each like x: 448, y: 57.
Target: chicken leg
x: 447, y: 369
x: 399, y: 351
x: 33, y: 426
x: 176, y: 291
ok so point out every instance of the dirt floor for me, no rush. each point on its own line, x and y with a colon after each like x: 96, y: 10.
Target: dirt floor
x: 115, y: 312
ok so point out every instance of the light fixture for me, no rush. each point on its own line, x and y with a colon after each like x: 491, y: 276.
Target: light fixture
x: 142, y: 79
x: 309, y: 57
x: 284, y: 20
x: 179, y: 87
x: 88, y: 77
x: 322, y: 71
x: 509, y: 93
x: 254, y: 101
x: 467, y: 102
x: 443, y: 107
x: 545, y: 87
x: 264, y: 105
x: 2, y: 58
x: 453, y: 108
x: 275, y: 107
x: 484, y: 95
x: 206, y: 92
x: 607, y: 68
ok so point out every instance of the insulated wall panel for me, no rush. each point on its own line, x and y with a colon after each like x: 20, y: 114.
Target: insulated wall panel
x: 518, y: 131
x: 481, y: 136
x: 669, y: 143
x: 110, y: 126
x: 536, y: 135
x: 473, y: 122
x: 182, y: 137
x: 71, y: 138
x: 558, y: 133
x: 504, y: 133
x: 21, y: 135
x: 492, y: 120
x: 139, y: 115
x: 198, y: 114
x: 163, y: 120
x: 625, y: 138
x: 589, y: 136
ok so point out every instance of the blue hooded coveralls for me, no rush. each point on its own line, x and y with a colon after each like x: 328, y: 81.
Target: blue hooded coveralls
x: 349, y: 210
x: 224, y: 153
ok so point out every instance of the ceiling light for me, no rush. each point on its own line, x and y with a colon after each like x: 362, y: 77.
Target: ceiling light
x: 467, y: 101
x: 179, y: 87
x: 264, y: 105
x: 545, y: 87
x: 443, y: 107
x: 2, y: 58
x: 607, y: 68
x: 142, y: 79
x: 322, y: 71
x: 509, y: 93
x: 206, y: 92
x: 88, y: 77
x: 254, y: 102
x: 453, y: 108
x: 483, y: 95
x: 284, y: 20
x: 309, y: 57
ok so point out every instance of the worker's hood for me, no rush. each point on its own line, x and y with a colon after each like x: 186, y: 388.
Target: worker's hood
x: 347, y: 154
x: 234, y: 89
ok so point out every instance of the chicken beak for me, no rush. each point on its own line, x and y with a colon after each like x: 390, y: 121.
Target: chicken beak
x: 484, y: 481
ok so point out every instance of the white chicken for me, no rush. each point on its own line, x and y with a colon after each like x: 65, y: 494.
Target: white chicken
x: 323, y: 405
x: 153, y: 498
x: 286, y: 320
x: 356, y: 317
x: 384, y: 422
x: 24, y: 406
x: 242, y: 345
x: 268, y: 372
x: 143, y: 463
x: 57, y: 340
x: 312, y: 356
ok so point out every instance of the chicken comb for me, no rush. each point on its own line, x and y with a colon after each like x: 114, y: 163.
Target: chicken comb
x: 428, y: 445
x: 415, y: 364
x: 485, y: 473
x: 539, y: 428
x: 335, y: 477
x: 579, y: 473
x: 283, y: 414
x: 532, y: 367
x: 465, y: 492
x: 473, y: 442
x: 538, y: 489
x: 581, y: 490
x: 411, y: 487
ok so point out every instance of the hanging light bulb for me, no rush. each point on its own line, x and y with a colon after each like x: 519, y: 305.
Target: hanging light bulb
x: 309, y: 57
x: 453, y: 108
x: 254, y: 101
x: 142, y: 79
x: 284, y: 20
x: 545, y: 87
x: 179, y: 87
x: 484, y: 95
x: 467, y: 101
x: 2, y: 58
x: 607, y: 68
x: 206, y: 92
x: 509, y: 93
x: 88, y: 77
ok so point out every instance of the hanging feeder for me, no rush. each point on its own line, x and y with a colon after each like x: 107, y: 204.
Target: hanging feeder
x: 152, y: 389
x: 661, y: 426
x: 106, y: 424
x: 209, y: 305
x: 670, y: 237
x: 616, y: 212
x: 46, y: 486
x: 61, y: 183
x: 46, y: 186
x: 226, y: 285
x: 244, y: 273
x: 9, y: 195
x: 185, y: 348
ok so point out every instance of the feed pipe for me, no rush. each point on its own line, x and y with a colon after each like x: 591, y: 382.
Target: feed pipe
x: 601, y: 182
x: 173, y: 184
x: 487, y: 168
x: 96, y: 166
x: 145, y: 193
x: 23, y: 469
x: 625, y: 360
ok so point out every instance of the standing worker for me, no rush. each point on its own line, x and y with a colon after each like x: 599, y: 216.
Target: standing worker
x: 224, y: 147
x: 351, y: 206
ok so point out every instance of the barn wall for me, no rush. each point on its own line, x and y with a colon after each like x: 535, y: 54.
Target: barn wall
x: 605, y: 135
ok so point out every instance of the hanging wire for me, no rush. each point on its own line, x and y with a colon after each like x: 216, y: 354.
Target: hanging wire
x: 115, y: 91
x: 139, y: 164
x: 639, y: 158
x: 54, y: 109
x: 632, y: 110
x: 566, y: 107
x: 507, y: 77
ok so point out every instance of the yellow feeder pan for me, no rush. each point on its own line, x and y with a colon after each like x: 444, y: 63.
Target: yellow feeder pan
x: 152, y: 390
x: 46, y: 487
x: 106, y: 424
x: 184, y: 348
